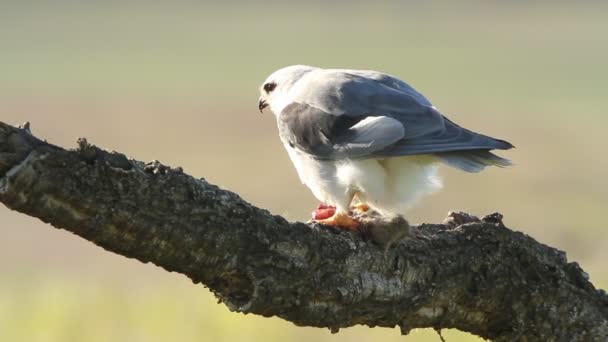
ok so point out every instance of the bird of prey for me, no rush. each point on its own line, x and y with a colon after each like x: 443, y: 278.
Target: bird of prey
x: 369, y: 135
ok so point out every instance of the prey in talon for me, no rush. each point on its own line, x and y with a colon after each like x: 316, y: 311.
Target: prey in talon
x: 369, y: 135
x: 323, y: 211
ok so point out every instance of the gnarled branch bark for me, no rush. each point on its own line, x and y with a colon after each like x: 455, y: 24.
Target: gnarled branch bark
x: 473, y: 275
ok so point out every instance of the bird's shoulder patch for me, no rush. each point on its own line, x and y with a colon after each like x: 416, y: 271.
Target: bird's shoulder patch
x: 313, y: 130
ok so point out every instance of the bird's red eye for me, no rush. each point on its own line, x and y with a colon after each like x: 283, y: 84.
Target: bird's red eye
x: 268, y: 87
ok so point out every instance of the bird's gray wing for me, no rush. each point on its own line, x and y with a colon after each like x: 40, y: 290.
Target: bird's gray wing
x: 327, y: 136
x: 451, y: 138
x: 338, y: 114
x: 392, y: 82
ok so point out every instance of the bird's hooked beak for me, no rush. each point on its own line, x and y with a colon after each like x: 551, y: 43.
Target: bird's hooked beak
x: 262, y: 104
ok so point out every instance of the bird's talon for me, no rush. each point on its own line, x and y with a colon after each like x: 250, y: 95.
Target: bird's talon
x: 361, y: 208
x: 340, y: 221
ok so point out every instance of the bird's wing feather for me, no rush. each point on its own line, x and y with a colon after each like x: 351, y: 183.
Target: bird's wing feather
x: 392, y: 82
x: 343, y: 114
x: 327, y: 136
x: 452, y: 138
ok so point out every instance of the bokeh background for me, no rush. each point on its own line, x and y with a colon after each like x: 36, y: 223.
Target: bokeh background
x: 178, y: 82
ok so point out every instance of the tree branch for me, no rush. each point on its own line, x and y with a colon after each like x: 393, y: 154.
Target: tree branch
x: 470, y: 274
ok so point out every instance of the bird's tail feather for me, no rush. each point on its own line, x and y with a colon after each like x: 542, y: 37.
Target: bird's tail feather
x: 472, y: 160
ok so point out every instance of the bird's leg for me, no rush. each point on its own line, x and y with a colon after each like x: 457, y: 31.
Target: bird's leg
x: 360, y: 207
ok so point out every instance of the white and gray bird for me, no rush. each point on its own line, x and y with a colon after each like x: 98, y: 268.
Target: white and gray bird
x: 370, y: 135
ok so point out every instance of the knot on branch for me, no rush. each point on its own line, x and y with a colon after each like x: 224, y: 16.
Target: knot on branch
x: 15, y: 145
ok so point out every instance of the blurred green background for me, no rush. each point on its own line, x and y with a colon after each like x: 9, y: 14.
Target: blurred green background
x: 178, y: 82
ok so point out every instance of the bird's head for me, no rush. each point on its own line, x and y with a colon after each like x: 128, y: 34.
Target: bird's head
x: 274, y: 92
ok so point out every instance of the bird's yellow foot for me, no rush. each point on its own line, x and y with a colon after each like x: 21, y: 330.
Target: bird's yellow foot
x: 340, y: 220
x: 361, y: 208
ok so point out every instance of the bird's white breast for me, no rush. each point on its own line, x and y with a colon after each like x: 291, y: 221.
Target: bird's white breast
x: 388, y: 185
x: 318, y: 175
